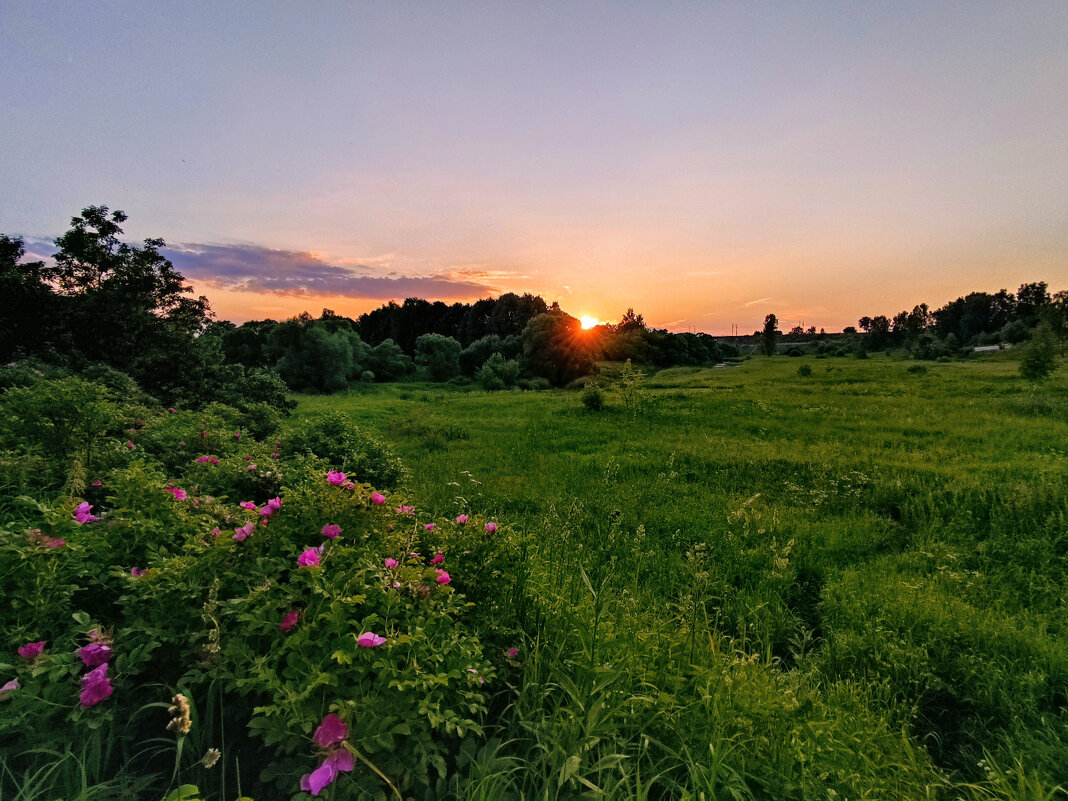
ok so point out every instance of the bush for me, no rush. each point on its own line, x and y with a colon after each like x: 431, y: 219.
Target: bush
x: 1040, y: 356
x: 439, y: 354
x: 592, y: 397
x: 335, y: 438
x: 804, y: 371
x: 498, y: 373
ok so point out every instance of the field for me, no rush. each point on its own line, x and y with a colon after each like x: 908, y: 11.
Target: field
x: 748, y: 582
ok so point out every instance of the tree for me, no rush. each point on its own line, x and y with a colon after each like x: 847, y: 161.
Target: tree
x: 769, y: 335
x: 631, y: 322
x: 556, y: 348
x: 28, y: 303
x: 1040, y: 357
x: 439, y: 354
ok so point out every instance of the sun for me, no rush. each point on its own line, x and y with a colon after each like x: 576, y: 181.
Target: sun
x: 588, y: 322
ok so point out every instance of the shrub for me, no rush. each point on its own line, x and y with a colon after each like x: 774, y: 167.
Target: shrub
x: 804, y: 371
x: 498, y: 373
x: 335, y: 438
x: 592, y: 397
x: 1040, y: 356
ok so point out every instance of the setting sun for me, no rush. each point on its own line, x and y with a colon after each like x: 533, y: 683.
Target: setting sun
x: 588, y: 322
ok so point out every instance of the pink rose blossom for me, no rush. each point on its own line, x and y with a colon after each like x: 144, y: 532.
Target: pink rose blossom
x: 83, y: 514
x: 52, y: 542
x: 512, y: 652
x: 462, y: 519
x: 172, y: 410
x: 129, y: 444
x: 391, y: 563
x: 491, y: 527
x: 369, y: 640
x: 406, y: 510
x: 10, y: 686
x: 135, y: 572
x: 95, y: 686
x: 289, y: 621
x: 275, y: 455
x: 94, y: 654
x: 237, y: 435
x: 31, y: 650
x: 336, y: 478
x: 250, y: 505
x: 437, y: 560
x: 98, y: 483
x: 331, y: 731
x: 240, y: 534
x: 429, y: 526
x: 179, y: 494
x: 350, y: 485
x: 310, y: 557
x: 443, y: 577
x: 251, y: 467
x: 377, y: 498
x: 215, y: 532
x: 331, y: 530
x: 339, y: 761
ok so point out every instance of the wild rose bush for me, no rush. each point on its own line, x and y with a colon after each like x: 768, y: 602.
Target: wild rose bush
x: 170, y: 570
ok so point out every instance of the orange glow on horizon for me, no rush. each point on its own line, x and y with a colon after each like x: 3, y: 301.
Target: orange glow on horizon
x: 589, y: 322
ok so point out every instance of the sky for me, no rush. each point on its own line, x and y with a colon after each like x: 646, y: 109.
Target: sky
x: 706, y: 163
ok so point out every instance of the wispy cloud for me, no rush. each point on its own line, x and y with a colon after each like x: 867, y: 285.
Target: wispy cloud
x: 756, y: 302
x: 253, y: 268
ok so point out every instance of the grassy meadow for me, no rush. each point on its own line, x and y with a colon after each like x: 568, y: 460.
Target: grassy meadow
x: 747, y: 582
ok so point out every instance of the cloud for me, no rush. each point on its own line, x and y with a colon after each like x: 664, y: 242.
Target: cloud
x: 757, y: 301
x: 252, y: 268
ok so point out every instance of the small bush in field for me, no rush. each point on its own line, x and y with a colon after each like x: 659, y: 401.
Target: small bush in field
x: 592, y: 397
x: 804, y: 371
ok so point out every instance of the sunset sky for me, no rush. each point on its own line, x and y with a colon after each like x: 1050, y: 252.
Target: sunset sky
x: 704, y: 162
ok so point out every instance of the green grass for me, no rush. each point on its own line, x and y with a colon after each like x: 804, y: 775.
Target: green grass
x: 765, y: 585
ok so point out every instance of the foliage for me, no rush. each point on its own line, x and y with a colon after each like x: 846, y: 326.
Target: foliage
x: 592, y: 397
x: 769, y: 335
x: 336, y: 439
x: 439, y: 354
x: 1040, y: 357
x: 556, y: 348
x: 498, y: 373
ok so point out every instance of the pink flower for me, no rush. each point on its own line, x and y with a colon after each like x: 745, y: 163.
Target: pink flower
x: 94, y: 654
x: 135, y: 572
x: 349, y: 485
x: 512, y: 652
x: 462, y: 519
x: 474, y: 673
x: 247, y: 505
x: 336, y: 478
x: 429, y: 526
x: 339, y: 761
x: 274, y: 504
x: 377, y: 498
x: 275, y: 455
x: 331, y: 530
x: 237, y: 435
x: 369, y: 640
x: 98, y: 483
x: 391, y: 563
x: 251, y: 467
x: 289, y: 621
x: 83, y: 514
x: 437, y: 560
x: 406, y: 510
x: 203, y: 434
x: 202, y: 459
x: 52, y: 542
x: 129, y: 444
x: 240, y: 534
x: 11, y: 686
x: 31, y: 650
x: 181, y: 444
x: 172, y: 410
x: 332, y: 730
x: 179, y: 494
x: 491, y: 527
x: 443, y: 577
x: 95, y: 686
x: 310, y: 557
x: 215, y: 532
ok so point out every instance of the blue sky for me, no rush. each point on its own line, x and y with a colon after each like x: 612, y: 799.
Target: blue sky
x: 706, y: 163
